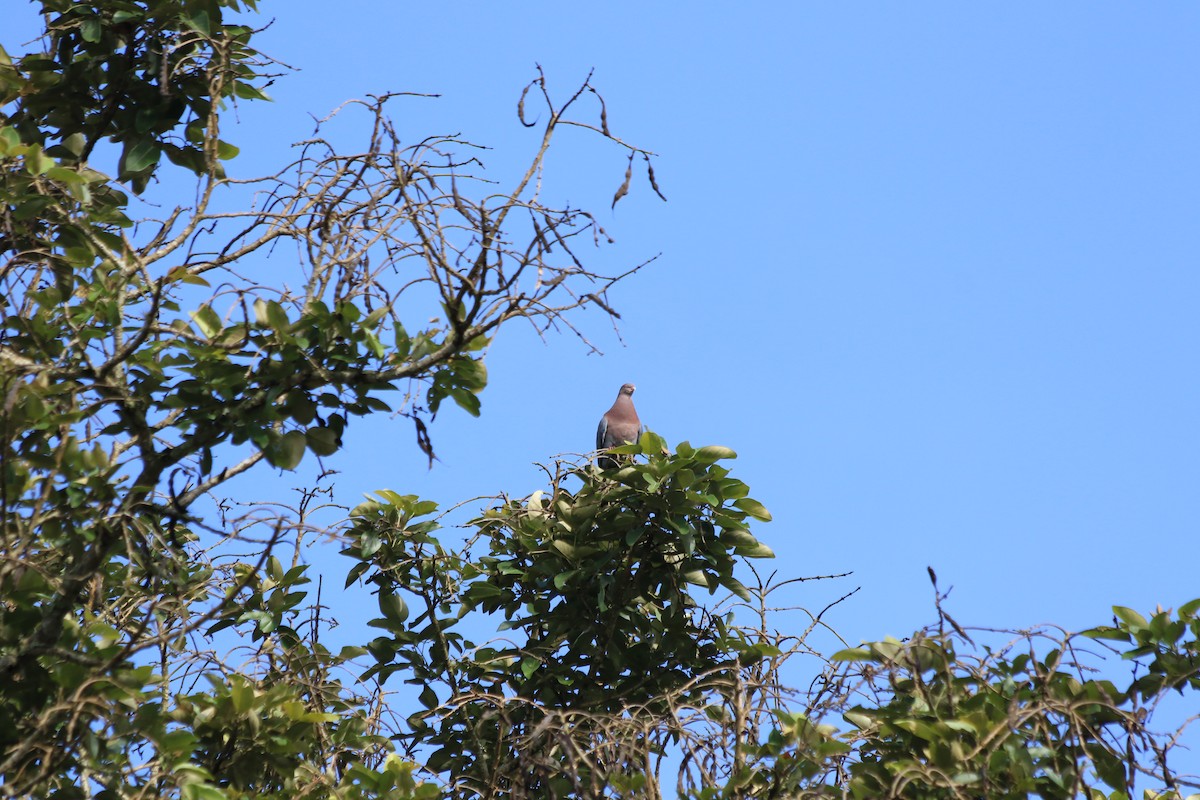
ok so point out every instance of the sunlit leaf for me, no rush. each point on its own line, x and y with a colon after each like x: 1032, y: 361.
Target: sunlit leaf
x: 753, y: 508
x: 207, y: 320
x: 713, y: 452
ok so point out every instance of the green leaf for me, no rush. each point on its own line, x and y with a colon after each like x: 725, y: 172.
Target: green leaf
x: 372, y: 320
x: 403, y: 342
x: 36, y: 161
x: 427, y: 791
x: 74, y: 144
x: 9, y: 140
x: 248, y: 92
x: 757, y: 652
x: 276, y: 317
x: 652, y: 443
x: 202, y: 791
x: 1109, y: 767
x: 322, y: 441
x: 1130, y: 617
x: 177, y: 742
x: 757, y: 551
x: 422, y: 507
x: 753, y: 508
x: 242, y: 694
x: 738, y: 537
x: 191, y: 158
x: 713, y: 453
x: 139, y: 156
x: 301, y: 408
x: 465, y: 399
x: 182, y: 275
x: 393, y: 498
x: 90, y: 29
x: 356, y: 572
x: 207, y: 320
x: 194, y: 280
x: 564, y: 548
x: 1105, y: 632
x: 287, y: 451
x: 147, y: 118
x: 369, y: 544
x: 199, y: 22
x: 194, y: 132
x: 393, y: 607
x: 857, y: 719
x: 429, y: 697
x: 737, y: 587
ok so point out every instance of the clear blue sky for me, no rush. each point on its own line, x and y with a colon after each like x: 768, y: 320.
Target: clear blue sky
x: 933, y: 270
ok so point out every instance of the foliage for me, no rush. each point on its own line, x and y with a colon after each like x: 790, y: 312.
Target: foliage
x: 609, y: 667
x: 145, y: 366
x: 603, y: 640
x: 135, y: 74
x: 938, y: 716
x: 159, y: 638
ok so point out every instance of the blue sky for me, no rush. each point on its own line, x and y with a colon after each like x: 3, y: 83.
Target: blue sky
x: 933, y: 270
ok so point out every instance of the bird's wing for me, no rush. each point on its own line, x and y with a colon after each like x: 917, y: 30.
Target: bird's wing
x: 602, y: 432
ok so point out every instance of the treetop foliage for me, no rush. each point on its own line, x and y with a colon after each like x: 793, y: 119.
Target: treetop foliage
x: 160, y: 636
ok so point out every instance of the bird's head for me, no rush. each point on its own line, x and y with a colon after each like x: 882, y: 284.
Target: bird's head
x: 628, y: 389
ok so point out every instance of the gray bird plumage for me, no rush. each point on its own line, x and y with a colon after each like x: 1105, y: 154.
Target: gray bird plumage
x: 619, y: 425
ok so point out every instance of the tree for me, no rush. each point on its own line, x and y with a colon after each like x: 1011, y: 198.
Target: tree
x: 156, y: 639
x: 143, y: 371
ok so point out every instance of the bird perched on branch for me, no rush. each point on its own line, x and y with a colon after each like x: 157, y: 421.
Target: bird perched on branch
x: 619, y: 425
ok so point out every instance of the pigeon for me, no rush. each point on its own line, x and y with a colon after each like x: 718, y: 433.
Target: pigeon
x: 619, y: 425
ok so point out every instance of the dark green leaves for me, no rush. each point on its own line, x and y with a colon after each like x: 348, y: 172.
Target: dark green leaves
x: 639, y: 541
x: 1027, y: 720
x: 460, y: 379
x: 597, y: 593
x: 393, y: 608
x: 285, y: 451
x: 152, y: 632
x: 323, y: 441
x: 138, y: 156
x: 119, y: 45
